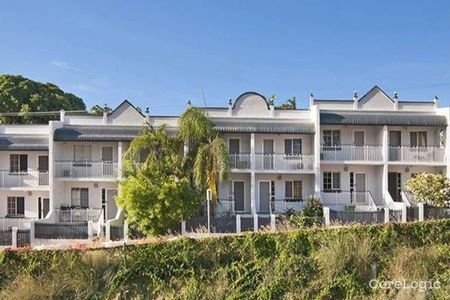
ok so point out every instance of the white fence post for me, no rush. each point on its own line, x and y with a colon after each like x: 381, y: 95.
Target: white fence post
x: 238, y: 223
x: 32, y: 232
x: 90, y: 230
x: 421, y: 211
x: 183, y: 227
x: 273, y: 224
x: 255, y: 222
x: 108, y: 231
x: 404, y: 212
x: 14, y: 237
x: 125, y: 230
x: 386, y: 215
x: 326, y: 215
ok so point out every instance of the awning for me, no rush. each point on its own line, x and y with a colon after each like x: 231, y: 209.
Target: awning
x: 28, y: 143
x: 264, y: 127
x: 398, y: 119
x: 96, y: 133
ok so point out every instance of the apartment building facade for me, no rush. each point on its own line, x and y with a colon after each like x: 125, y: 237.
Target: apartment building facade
x: 357, y: 152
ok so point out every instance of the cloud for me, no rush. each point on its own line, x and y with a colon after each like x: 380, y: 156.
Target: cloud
x: 62, y: 65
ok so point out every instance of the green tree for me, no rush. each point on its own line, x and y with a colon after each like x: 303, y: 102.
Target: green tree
x: 208, y: 155
x: 156, y: 193
x: 20, y: 94
x: 98, y: 110
x: 433, y: 189
x: 289, y: 104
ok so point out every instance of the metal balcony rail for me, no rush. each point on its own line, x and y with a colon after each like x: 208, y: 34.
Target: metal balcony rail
x: 23, y: 179
x: 417, y: 154
x: 343, y: 198
x: 77, y: 215
x: 86, y: 169
x: 240, y: 161
x: 284, y: 162
x: 351, y: 152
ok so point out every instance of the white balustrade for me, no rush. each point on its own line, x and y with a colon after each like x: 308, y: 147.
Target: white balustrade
x: 351, y: 152
x: 23, y: 179
x: 86, y: 169
x: 343, y: 198
x: 284, y: 162
x: 240, y: 161
x: 417, y: 154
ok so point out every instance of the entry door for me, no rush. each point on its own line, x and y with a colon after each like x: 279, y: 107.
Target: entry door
x: 43, y: 169
x: 264, y: 196
x: 358, y: 141
x: 238, y: 195
x: 111, y: 206
x: 360, y: 187
x: 234, y: 146
x: 394, y: 185
x: 395, y: 141
x: 268, y: 154
x: 43, y: 207
x: 107, y: 159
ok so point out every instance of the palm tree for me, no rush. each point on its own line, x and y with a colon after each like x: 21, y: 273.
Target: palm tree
x: 98, y: 110
x: 289, y: 104
x: 208, y: 155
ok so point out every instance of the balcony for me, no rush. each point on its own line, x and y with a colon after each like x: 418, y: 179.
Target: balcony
x: 284, y: 162
x: 280, y: 206
x: 86, y: 170
x: 417, y: 154
x: 240, y: 161
x: 31, y: 179
x: 341, y: 199
x: 364, y: 153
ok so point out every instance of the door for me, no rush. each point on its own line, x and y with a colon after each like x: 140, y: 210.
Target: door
x: 268, y: 154
x: 238, y: 195
x: 43, y: 207
x: 107, y: 159
x: 264, y: 196
x: 395, y: 141
x: 43, y: 169
x: 234, y: 149
x: 111, y: 207
x: 358, y: 142
x: 394, y: 186
x: 360, y: 188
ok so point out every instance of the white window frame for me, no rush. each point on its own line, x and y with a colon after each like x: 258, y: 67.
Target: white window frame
x: 292, y: 147
x: 14, y: 201
x: 84, y: 158
x: 334, y: 189
x: 80, y: 204
x: 292, y: 197
x: 333, y: 143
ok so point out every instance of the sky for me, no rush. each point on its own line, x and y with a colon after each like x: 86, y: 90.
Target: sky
x: 161, y: 54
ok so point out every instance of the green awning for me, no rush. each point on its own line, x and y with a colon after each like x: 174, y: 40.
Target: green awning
x: 398, y: 119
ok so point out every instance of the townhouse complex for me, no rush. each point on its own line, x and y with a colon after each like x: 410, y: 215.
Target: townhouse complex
x: 352, y: 153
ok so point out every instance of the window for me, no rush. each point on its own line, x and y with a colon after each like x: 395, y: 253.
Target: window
x: 292, y: 146
x: 331, y: 181
x: 331, y: 138
x: 16, y: 206
x: 80, y: 197
x: 293, y: 189
x: 418, y: 138
x: 107, y: 153
x: 82, y: 153
x: 18, y: 163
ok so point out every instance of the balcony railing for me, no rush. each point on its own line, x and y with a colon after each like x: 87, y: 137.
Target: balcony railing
x: 279, y: 206
x: 284, y: 162
x: 343, y: 198
x: 417, y: 154
x: 86, y: 169
x: 76, y: 215
x: 351, y: 152
x: 23, y: 179
x: 240, y: 161
x: 225, y: 206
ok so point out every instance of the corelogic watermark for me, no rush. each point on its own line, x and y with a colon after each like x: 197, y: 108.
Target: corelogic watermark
x: 421, y: 285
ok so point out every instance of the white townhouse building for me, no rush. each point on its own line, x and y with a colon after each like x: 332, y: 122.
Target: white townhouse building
x: 357, y: 152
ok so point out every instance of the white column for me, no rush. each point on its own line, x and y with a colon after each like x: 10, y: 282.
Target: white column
x: 421, y: 211
x: 32, y: 232
x: 119, y: 158
x: 404, y: 212
x: 108, y: 231
x: 386, y: 215
x: 183, y: 227
x: 273, y: 223
x: 14, y: 237
x: 317, y: 138
x: 238, y: 223
x: 90, y: 230
x: 253, y: 192
x: 326, y: 215
x: 385, y: 151
x: 125, y: 231
x: 255, y: 222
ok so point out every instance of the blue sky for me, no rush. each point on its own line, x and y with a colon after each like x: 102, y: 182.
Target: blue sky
x: 160, y: 54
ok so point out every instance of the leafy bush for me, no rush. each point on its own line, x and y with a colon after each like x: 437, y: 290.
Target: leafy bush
x: 310, y: 215
x: 300, y: 264
x: 433, y: 189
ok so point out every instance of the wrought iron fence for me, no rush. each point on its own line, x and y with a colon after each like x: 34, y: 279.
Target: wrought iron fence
x: 61, y: 230
x: 364, y: 217
x: 431, y: 212
x: 6, y: 238
x: 412, y: 213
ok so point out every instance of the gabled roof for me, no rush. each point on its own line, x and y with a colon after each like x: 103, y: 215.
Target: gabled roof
x: 127, y: 103
x: 378, y: 89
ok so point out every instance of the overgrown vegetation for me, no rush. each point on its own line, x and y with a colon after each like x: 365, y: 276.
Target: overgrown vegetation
x: 433, y: 189
x: 301, y: 264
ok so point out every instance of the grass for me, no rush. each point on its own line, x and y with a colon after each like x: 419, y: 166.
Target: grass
x: 292, y: 264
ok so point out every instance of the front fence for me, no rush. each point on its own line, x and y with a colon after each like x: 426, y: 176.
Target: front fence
x: 431, y: 212
x: 61, y: 230
x: 222, y: 224
x: 116, y: 233
x: 6, y: 238
x: 23, y: 238
x: 364, y: 217
x: 412, y: 213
